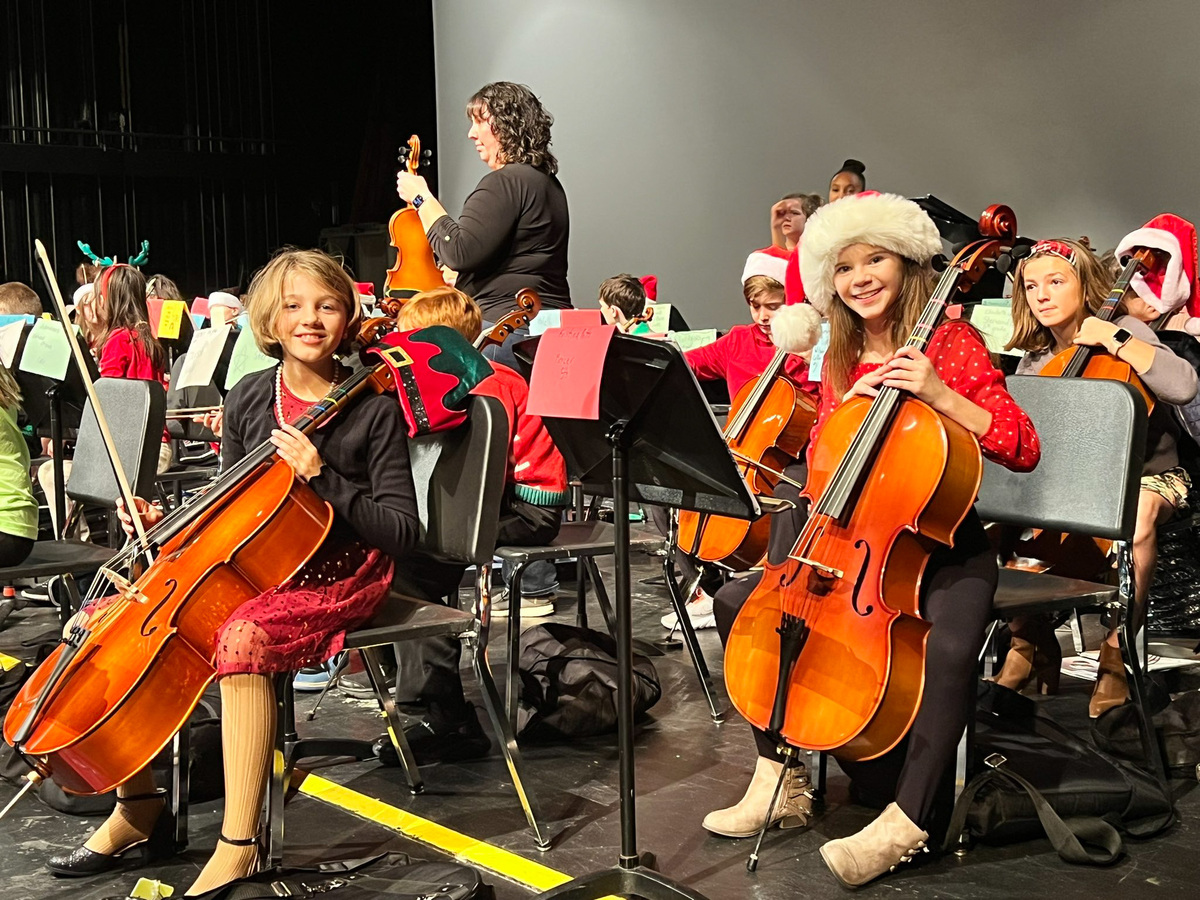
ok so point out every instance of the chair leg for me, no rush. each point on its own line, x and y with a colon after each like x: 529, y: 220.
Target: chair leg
x: 689, y: 633
x: 180, y: 785
x: 610, y: 620
x: 514, y: 642
x: 277, y: 785
x: 581, y: 619
x: 395, y: 730
x: 505, y: 736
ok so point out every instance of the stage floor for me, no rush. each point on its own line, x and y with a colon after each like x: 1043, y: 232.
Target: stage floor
x: 686, y: 765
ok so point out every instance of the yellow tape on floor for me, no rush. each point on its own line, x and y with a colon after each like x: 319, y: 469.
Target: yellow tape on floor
x: 465, y: 849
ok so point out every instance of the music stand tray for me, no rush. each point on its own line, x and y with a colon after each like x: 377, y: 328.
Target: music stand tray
x: 656, y: 441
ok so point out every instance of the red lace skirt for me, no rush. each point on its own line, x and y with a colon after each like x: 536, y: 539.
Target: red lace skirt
x: 304, y: 621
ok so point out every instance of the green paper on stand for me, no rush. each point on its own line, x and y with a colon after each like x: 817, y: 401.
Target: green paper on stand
x: 246, y: 359
x: 690, y: 340
x: 47, y: 350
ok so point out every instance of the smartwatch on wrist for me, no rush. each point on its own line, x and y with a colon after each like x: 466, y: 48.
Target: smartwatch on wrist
x: 1120, y: 338
x: 419, y: 199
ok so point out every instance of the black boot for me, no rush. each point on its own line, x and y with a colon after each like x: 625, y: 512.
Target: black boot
x: 437, y: 740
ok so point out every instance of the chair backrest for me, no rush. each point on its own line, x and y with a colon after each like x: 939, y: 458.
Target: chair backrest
x: 136, y: 411
x: 1093, y: 436
x: 459, y: 477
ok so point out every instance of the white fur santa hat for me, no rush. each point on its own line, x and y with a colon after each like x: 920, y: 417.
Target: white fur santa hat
x: 796, y: 329
x: 1168, y: 288
x: 882, y: 220
x: 762, y: 263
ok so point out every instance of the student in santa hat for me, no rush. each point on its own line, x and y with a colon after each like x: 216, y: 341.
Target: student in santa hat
x: 1056, y: 292
x: 866, y: 263
x: 788, y: 217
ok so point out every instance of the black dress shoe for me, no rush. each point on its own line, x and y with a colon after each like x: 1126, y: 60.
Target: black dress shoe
x: 82, y: 862
x: 439, y: 742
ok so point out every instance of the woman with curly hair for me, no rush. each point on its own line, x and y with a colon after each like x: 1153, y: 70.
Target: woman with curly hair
x: 514, y: 226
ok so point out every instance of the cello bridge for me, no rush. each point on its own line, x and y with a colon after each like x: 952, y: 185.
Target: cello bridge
x: 820, y: 567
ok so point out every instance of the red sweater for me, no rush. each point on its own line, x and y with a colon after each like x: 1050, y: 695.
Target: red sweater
x: 961, y: 360
x: 536, y: 469
x: 123, y: 355
x: 742, y: 354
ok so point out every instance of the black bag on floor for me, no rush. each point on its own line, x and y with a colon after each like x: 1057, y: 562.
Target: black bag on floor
x: 390, y: 876
x: 1177, y: 729
x: 1035, y: 778
x: 569, y: 683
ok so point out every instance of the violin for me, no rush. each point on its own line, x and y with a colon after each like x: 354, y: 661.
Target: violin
x: 415, y: 269
x: 529, y: 304
x: 828, y: 652
x: 117, y: 689
x: 1072, y: 555
x: 769, y: 423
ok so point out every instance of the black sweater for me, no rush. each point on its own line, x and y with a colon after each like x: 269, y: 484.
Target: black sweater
x: 365, y: 474
x: 512, y: 234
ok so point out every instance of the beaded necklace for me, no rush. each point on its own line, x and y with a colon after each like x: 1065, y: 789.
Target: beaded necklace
x: 280, y: 389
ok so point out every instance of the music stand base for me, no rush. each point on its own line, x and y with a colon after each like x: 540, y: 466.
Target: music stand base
x: 638, y: 881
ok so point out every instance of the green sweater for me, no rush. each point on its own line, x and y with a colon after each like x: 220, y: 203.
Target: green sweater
x: 18, y: 511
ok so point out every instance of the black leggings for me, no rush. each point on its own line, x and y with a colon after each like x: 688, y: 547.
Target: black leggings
x: 956, y: 599
x: 14, y: 550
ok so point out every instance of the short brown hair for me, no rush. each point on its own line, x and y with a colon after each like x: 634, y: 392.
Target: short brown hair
x: 18, y: 299
x: 626, y: 293
x: 1095, y: 281
x: 264, y: 300
x: 442, y: 306
x: 759, y: 285
x: 809, y: 203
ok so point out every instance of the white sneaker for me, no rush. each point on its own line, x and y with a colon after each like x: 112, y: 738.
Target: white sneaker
x: 531, y: 607
x: 699, y: 610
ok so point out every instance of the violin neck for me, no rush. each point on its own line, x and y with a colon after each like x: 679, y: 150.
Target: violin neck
x: 319, y: 412
x: 1107, y: 312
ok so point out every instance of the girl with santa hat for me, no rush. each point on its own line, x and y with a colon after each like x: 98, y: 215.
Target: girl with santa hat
x: 865, y: 261
x: 1057, y: 291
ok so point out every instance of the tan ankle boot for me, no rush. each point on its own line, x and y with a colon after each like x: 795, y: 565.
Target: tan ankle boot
x: 888, y: 841
x: 1112, y: 685
x: 746, y: 818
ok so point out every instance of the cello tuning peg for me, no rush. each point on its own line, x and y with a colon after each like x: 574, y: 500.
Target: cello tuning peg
x: 427, y: 155
x: 1005, y: 263
x: 939, y: 263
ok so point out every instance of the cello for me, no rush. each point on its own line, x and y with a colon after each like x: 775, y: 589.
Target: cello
x: 116, y: 689
x: 769, y: 423
x: 415, y: 268
x: 828, y: 652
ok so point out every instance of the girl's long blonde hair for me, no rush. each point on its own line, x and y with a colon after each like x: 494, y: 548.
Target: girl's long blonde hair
x: 10, y: 392
x: 1095, y: 282
x: 846, y: 336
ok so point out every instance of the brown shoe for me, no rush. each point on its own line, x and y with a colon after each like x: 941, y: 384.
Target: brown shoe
x: 746, y: 818
x: 1033, y: 656
x: 1112, y: 687
x: 888, y: 841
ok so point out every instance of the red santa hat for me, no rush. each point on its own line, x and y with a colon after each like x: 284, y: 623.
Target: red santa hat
x: 650, y: 286
x: 1167, y: 288
x: 765, y: 262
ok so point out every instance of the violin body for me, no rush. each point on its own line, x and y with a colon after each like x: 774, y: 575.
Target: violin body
x: 1100, y: 365
x: 775, y: 436
x: 855, y: 685
x: 148, y: 657
x: 415, y: 268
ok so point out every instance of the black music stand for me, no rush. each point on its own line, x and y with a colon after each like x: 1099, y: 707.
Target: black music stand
x: 656, y: 440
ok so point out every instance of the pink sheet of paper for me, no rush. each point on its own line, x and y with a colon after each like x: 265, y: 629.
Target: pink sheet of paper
x: 565, y: 382
x: 579, y: 318
x: 200, y: 307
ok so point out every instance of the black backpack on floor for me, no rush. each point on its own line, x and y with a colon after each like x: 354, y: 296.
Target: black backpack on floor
x: 1037, y: 779
x: 569, y: 683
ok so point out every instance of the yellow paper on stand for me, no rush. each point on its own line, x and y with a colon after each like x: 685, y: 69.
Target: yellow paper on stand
x: 171, y: 319
x: 993, y: 318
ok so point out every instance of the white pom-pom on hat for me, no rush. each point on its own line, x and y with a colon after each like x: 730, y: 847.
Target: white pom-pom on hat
x: 881, y: 220
x: 796, y: 329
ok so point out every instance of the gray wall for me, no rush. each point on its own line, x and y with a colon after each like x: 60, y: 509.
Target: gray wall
x: 678, y: 122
